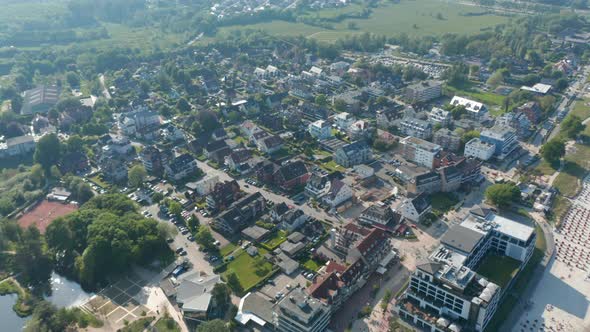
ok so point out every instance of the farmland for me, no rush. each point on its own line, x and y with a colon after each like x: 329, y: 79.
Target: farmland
x: 389, y: 20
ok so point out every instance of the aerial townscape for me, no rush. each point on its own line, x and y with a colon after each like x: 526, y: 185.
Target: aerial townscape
x: 295, y: 166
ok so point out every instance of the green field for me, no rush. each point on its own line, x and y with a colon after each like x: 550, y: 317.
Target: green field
x: 250, y: 270
x: 390, y: 20
x: 276, y: 239
x: 498, y: 269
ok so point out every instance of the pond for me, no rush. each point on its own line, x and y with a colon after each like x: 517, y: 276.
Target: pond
x: 65, y: 293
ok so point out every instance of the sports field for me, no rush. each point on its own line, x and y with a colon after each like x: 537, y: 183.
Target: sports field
x: 418, y: 18
x: 44, y: 213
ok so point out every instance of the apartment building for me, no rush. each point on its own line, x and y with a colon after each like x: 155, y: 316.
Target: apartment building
x: 416, y: 127
x: 478, y: 149
x: 447, y: 291
x: 420, y: 151
x: 423, y: 91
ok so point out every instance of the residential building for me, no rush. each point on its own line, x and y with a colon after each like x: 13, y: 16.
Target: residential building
x: 447, y: 293
x: 154, y: 159
x: 338, y: 194
x: 451, y: 178
x: 217, y: 151
x: 386, y: 118
x: 113, y: 170
x: 447, y: 139
x: 222, y: 195
x: 320, y: 129
x: 503, y: 138
x: 238, y: 159
x: 415, y: 209
x: 359, y: 130
x: 538, y: 89
x: 240, y: 214
x: 423, y: 91
x: 427, y: 182
x: 420, y: 151
x: 206, y: 185
x: 532, y: 110
x: 416, y: 127
x: 517, y: 121
x: 17, y: 146
x: 193, y: 293
x: 317, y: 186
x: 380, y: 214
x: 181, y: 167
x: 343, y: 120
x: 292, y: 219
x: 300, y: 313
x: 40, y: 99
x: 270, y: 144
x: 439, y: 116
x: 291, y: 175
x: 353, y: 154
x: 474, y: 109
x: 478, y: 149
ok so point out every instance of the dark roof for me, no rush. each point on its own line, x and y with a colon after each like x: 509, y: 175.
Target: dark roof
x: 280, y: 208
x: 429, y: 267
x: 421, y: 203
x: 240, y: 156
x: 178, y: 164
x: 354, y: 147
x: 462, y: 238
x: 292, y: 170
x: 216, y: 145
x: 273, y: 141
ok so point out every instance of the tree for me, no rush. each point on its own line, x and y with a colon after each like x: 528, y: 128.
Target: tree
x: 175, y: 208
x: 216, y: 325
x: 234, y: 283
x: 48, y: 152
x: 571, y: 126
x: 157, y: 197
x: 552, y: 151
x: 221, y: 294
x: 503, y: 194
x: 561, y: 84
x: 457, y: 75
x: 469, y: 135
x: 183, y: 106
x: 340, y: 105
x: 193, y: 223
x: 31, y: 260
x: 73, y: 79
x: 136, y: 176
x: 205, y: 238
x: 321, y: 100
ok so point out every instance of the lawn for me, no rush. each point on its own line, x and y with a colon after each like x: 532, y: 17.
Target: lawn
x: 312, y: 265
x: 98, y: 181
x: 417, y: 18
x: 560, y: 207
x: 276, y: 239
x: 581, y: 109
x: 498, y: 269
x: 249, y: 270
x: 332, y: 166
x: 228, y: 249
x: 469, y: 91
x: 545, y: 168
x: 567, y: 182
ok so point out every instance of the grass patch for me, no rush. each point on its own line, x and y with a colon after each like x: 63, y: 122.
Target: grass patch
x: 469, y: 91
x: 275, y: 239
x: 498, y: 269
x: 545, y: 168
x: 228, y: 249
x: 23, y: 306
x: 568, y: 181
x: 166, y: 324
x: 560, y: 207
x: 312, y: 265
x: 249, y: 270
x: 138, y: 325
x: 332, y: 166
x: 581, y: 109
x: 99, y: 181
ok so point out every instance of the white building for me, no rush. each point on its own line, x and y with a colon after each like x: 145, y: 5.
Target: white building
x: 474, y: 109
x: 449, y: 288
x: 17, y: 146
x: 320, y: 129
x: 478, y: 149
x: 420, y: 151
x: 298, y: 312
x: 343, y: 120
x: 440, y: 116
x: 205, y: 185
